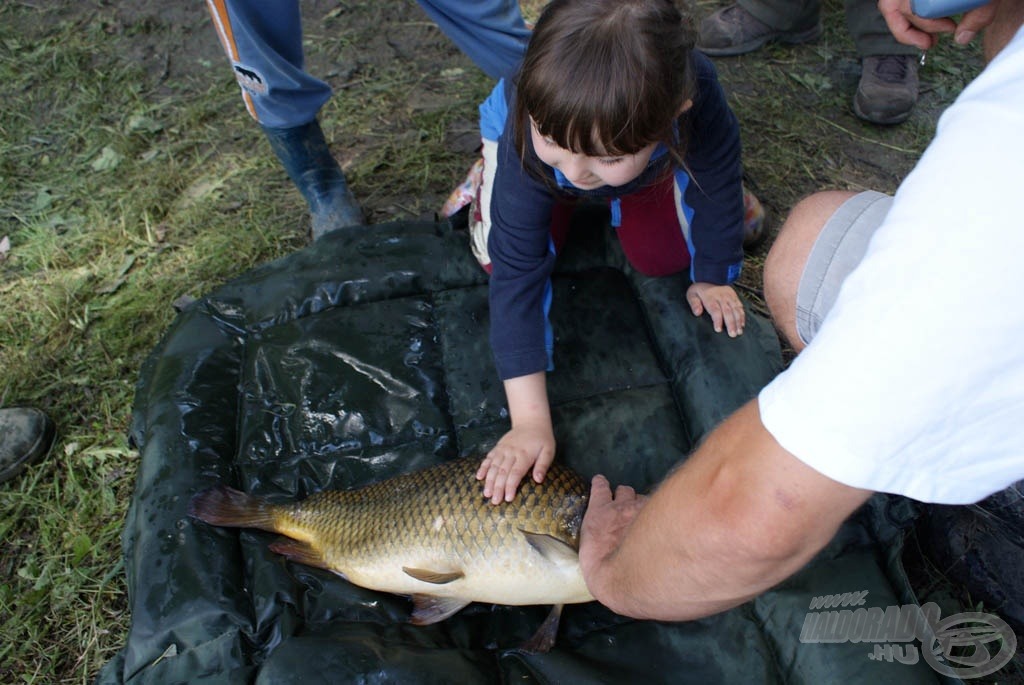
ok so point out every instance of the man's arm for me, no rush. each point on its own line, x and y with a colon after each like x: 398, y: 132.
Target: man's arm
x: 739, y: 516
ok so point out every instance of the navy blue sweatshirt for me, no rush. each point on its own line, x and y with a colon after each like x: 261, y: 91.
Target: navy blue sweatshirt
x: 519, y: 243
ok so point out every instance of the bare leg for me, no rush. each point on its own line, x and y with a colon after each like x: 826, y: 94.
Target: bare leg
x: 785, y: 262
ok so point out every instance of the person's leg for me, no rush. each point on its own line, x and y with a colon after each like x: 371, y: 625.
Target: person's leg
x: 263, y: 42
x: 480, y: 208
x: 26, y: 435
x: 307, y: 159
x: 749, y: 24
x: 479, y: 221
x: 822, y: 240
x: 652, y: 230
x: 888, y: 86
x: 491, y: 32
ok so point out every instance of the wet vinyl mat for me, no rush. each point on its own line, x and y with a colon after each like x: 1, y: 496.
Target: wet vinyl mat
x: 366, y: 356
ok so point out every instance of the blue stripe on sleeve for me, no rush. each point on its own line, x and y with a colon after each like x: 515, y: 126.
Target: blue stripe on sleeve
x: 494, y: 112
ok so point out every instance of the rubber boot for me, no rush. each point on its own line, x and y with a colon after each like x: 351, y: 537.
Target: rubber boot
x: 304, y: 153
x: 26, y: 435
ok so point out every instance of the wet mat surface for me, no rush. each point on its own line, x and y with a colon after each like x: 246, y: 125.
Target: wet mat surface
x: 366, y: 356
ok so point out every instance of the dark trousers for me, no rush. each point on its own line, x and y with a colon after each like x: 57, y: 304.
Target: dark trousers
x: 865, y: 23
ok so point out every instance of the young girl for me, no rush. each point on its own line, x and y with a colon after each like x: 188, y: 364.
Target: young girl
x: 610, y: 102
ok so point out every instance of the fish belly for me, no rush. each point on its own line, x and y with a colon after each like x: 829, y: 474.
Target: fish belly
x: 516, y: 575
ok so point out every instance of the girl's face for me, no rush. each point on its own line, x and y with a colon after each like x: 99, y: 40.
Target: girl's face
x: 588, y: 173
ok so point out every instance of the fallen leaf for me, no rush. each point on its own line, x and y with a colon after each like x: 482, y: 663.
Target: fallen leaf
x: 139, y: 123
x: 108, y: 159
x: 120, y: 279
x: 43, y: 200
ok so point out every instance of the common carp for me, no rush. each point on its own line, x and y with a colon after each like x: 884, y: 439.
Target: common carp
x: 432, y: 535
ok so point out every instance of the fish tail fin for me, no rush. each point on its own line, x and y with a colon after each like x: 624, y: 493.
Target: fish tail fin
x: 224, y: 506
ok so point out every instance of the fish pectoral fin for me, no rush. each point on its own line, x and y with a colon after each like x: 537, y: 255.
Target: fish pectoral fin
x: 551, y: 548
x: 429, y: 609
x: 435, y: 577
x: 302, y: 552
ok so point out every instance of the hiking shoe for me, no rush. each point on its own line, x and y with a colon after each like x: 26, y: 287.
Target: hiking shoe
x: 26, y: 435
x: 733, y: 30
x: 887, y: 90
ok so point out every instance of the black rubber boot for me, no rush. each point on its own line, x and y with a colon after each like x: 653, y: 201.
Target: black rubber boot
x: 26, y: 435
x: 304, y: 153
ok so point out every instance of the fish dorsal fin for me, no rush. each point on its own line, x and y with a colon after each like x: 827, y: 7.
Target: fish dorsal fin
x: 302, y: 552
x: 435, y: 577
x: 428, y: 609
x: 552, y: 549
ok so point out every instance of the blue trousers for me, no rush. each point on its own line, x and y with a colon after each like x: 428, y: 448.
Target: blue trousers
x: 263, y: 41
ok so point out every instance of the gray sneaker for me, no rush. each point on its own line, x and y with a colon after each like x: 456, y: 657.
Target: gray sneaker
x: 26, y: 435
x: 888, y: 89
x: 734, y: 31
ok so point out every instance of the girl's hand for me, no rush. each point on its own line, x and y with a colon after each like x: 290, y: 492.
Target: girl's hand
x: 721, y: 303
x: 531, y: 444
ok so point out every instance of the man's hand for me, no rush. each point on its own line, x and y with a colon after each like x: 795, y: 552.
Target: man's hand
x: 974, y: 21
x: 604, y: 524
x: 910, y: 29
x: 740, y: 515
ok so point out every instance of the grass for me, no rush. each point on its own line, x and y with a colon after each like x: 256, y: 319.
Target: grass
x: 114, y: 202
x: 130, y: 175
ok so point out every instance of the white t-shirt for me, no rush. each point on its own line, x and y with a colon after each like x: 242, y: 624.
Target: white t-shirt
x: 915, y: 383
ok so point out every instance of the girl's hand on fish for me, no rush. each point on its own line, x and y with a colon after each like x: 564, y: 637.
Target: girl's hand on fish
x: 529, y: 444
x: 721, y: 303
x: 604, y: 526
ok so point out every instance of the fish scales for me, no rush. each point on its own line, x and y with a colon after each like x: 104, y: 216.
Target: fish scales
x: 433, y: 533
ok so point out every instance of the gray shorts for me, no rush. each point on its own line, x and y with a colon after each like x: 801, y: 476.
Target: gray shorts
x: 837, y: 251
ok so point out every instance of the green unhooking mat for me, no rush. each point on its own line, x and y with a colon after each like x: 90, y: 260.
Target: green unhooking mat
x: 366, y: 356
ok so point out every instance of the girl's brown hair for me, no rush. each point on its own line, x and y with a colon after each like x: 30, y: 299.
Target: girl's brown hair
x: 606, y: 77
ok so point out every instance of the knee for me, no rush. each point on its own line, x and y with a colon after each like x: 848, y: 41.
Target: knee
x: 789, y: 253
